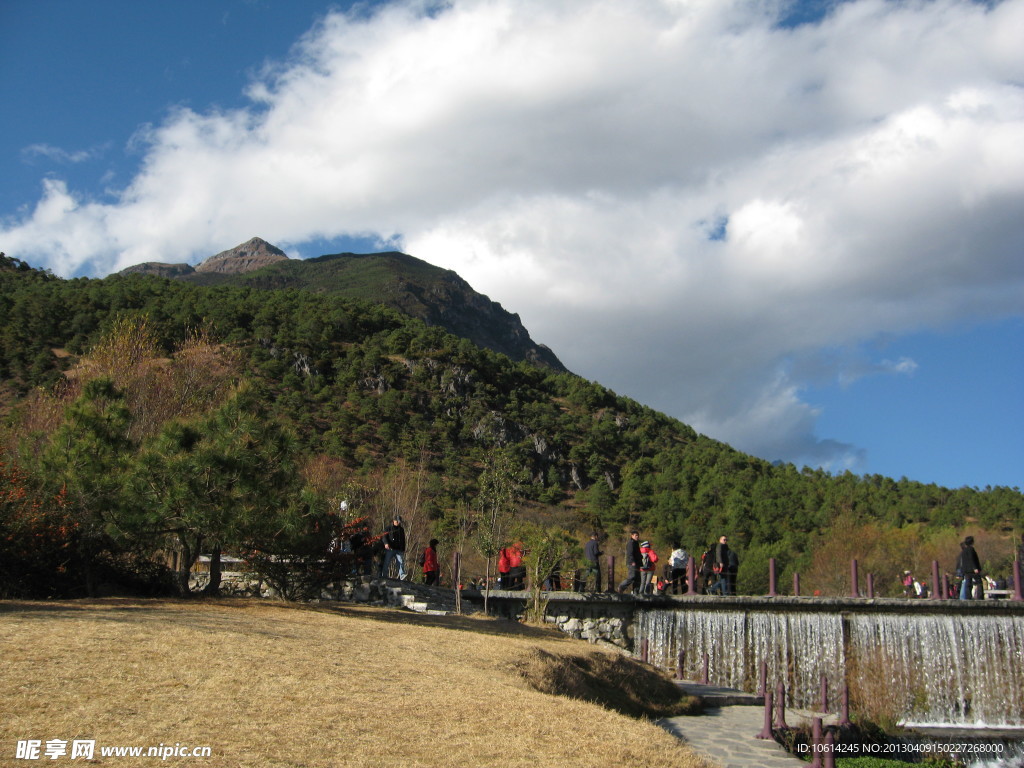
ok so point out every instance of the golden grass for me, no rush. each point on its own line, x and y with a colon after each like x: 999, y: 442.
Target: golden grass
x: 274, y: 685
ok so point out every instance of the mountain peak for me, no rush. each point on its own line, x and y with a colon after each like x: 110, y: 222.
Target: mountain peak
x: 247, y: 257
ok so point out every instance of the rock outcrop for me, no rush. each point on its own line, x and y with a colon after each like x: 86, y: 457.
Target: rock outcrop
x: 249, y: 256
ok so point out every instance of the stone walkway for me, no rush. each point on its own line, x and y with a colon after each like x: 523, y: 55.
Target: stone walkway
x: 727, y: 730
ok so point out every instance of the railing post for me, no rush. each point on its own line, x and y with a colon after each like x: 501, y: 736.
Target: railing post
x: 844, y: 707
x: 691, y: 577
x: 828, y: 760
x: 871, y: 586
x: 935, y: 580
x: 766, y: 732
x: 854, y: 586
x: 681, y: 665
x: 1018, y: 592
x: 771, y: 577
x: 780, y: 705
x: 815, y: 742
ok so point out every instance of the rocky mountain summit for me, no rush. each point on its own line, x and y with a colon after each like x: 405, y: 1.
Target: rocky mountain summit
x: 432, y: 294
x: 249, y: 256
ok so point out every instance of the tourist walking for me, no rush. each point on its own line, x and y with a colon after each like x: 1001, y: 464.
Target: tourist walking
x: 969, y: 567
x: 632, y: 579
x: 592, y: 553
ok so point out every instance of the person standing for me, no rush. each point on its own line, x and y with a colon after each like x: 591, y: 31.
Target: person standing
x: 721, y: 567
x: 394, y: 548
x: 677, y: 562
x: 516, y: 569
x: 632, y: 579
x: 648, y: 564
x: 732, y: 571
x: 430, y: 566
x: 969, y: 566
x: 504, y: 582
x: 592, y: 552
x: 908, y: 584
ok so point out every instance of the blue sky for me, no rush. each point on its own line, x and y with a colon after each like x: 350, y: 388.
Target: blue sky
x: 795, y: 226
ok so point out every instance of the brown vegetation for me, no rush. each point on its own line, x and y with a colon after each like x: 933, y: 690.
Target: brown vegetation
x: 273, y: 685
x: 887, y: 552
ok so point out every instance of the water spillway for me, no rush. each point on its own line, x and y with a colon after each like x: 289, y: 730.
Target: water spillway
x: 940, y: 663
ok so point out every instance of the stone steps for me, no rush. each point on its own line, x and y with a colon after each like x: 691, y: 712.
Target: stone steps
x: 433, y: 601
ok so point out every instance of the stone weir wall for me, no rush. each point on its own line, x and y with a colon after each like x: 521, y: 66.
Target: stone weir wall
x: 612, y: 618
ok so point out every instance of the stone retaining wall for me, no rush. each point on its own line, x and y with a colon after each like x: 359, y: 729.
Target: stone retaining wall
x: 602, y: 618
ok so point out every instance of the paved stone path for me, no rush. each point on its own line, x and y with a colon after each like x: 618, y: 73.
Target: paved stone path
x: 727, y: 730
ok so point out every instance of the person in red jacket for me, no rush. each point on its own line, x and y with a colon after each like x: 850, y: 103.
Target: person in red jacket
x: 430, y: 567
x: 503, y: 579
x: 516, y: 569
x: 648, y: 559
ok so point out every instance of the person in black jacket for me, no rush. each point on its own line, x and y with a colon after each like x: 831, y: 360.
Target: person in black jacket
x: 394, y: 548
x: 721, y: 567
x: 592, y: 552
x: 632, y: 579
x: 968, y: 566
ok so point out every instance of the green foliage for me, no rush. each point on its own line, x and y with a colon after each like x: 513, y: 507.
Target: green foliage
x: 367, y: 387
x: 547, y: 548
x: 299, y: 561
x: 222, y: 481
x: 86, y: 462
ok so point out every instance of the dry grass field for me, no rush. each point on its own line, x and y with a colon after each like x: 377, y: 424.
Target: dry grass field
x: 266, y: 684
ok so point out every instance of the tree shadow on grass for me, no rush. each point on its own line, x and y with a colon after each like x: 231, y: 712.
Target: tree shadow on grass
x: 149, y: 610
x: 481, y: 625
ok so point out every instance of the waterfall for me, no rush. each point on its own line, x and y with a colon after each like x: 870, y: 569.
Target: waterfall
x: 941, y: 669
x: 798, y: 651
x: 948, y: 669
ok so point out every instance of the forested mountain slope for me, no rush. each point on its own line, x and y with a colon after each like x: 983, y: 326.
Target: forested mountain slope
x: 361, y: 387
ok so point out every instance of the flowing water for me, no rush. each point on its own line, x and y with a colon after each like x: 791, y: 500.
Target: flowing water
x: 943, y: 669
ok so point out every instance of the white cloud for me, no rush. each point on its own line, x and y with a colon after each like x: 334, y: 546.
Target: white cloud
x: 681, y: 180
x: 59, y: 155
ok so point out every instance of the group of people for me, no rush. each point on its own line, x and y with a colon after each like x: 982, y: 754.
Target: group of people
x: 511, y: 570
x: 385, y: 555
x: 969, y: 583
x: 716, y: 574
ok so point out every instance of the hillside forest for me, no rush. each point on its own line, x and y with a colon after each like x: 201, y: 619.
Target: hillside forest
x: 147, y: 420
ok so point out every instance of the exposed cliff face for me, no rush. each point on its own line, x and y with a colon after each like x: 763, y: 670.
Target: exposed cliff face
x: 453, y: 304
x: 247, y: 257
